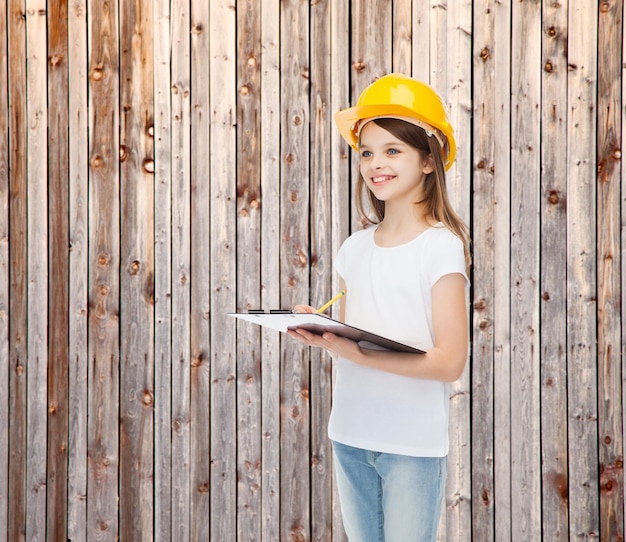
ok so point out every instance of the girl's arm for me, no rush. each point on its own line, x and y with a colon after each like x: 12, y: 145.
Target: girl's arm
x: 444, y: 362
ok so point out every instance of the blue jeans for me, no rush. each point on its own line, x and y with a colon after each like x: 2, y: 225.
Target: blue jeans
x: 388, y: 497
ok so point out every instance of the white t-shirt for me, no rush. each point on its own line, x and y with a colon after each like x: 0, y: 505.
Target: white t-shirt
x: 389, y: 293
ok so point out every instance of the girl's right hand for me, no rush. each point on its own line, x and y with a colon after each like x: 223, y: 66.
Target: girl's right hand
x: 304, y: 309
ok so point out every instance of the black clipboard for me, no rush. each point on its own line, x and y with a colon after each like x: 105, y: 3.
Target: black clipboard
x: 317, y: 323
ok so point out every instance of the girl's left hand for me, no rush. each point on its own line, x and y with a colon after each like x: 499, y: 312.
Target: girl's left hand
x: 335, y: 344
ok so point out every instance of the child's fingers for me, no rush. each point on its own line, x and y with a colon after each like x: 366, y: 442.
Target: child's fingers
x: 304, y: 309
x: 326, y: 341
x: 305, y: 336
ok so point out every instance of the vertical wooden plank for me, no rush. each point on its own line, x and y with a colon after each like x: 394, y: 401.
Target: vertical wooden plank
x: 609, y: 264
x: 104, y: 269
x: 439, y: 56
x: 249, y: 270
x: 223, y: 117
x: 200, y: 265
x: 162, y: 273
x: 137, y: 272
x: 340, y: 165
x: 270, y: 267
x: 553, y: 334
x: 181, y: 271
x: 37, y: 254
x: 78, y: 270
x: 622, y: 143
x: 581, y: 273
x: 402, y: 37
x: 459, y: 95
x: 420, y: 40
x: 295, y: 382
x: 17, y: 269
x: 321, y: 265
x: 58, y: 317
x: 457, y: 512
x: 484, y: 296
x: 525, y: 175
x: 4, y: 276
x: 502, y: 272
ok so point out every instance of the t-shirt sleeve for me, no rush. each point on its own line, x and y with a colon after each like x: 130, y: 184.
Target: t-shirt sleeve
x: 447, y: 256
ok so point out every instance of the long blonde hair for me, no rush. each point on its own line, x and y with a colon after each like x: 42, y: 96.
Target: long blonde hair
x: 436, y: 202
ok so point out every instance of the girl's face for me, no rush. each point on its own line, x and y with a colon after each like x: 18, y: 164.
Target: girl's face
x: 392, y: 169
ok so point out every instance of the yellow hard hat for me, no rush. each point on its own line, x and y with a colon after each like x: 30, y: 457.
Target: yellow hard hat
x: 398, y: 96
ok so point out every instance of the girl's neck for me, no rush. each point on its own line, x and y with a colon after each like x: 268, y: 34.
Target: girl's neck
x: 401, y: 227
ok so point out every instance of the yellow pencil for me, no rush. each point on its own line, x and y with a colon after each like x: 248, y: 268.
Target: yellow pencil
x: 326, y: 305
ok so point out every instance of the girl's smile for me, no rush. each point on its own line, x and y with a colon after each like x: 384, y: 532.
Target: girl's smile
x: 382, y: 179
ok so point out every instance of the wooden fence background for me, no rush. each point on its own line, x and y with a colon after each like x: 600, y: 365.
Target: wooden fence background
x: 164, y: 162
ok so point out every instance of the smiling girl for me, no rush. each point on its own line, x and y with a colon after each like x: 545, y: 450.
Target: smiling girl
x: 406, y: 278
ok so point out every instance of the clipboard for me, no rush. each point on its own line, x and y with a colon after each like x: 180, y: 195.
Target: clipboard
x: 317, y: 323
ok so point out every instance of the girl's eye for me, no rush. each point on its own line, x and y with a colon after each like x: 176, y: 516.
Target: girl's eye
x: 366, y: 154
x: 393, y: 151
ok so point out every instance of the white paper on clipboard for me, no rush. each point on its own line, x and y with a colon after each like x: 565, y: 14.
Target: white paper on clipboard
x: 318, y: 323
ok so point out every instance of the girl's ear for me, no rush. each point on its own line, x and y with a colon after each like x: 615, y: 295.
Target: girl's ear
x: 429, y: 165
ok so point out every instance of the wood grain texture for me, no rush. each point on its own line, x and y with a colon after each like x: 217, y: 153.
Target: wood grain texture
x: 294, y: 266
x: 483, y: 237
x: 181, y: 270
x: 270, y: 121
x: 502, y: 271
x: 164, y: 163
x: 58, y: 267
x: 200, y: 266
x: 4, y: 279
x: 340, y: 175
x: 37, y: 269
x: 525, y: 182
x: 18, y: 249
x: 610, y: 271
x: 162, y: 273
x: 321, y: 271
x: 223, y: 227
x: 457, y: 516
x: 104, y: 273
x: 249, y: 362
x: 78, y: 169
x: 553, y: 314
x: 420, y: 40
x: 137, y: 272
x: 582, y: 395
x: 402, y: 33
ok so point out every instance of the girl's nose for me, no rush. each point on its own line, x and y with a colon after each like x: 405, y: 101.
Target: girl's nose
x: 376, y: 162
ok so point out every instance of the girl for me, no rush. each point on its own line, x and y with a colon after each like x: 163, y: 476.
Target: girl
x: 406, y: 279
